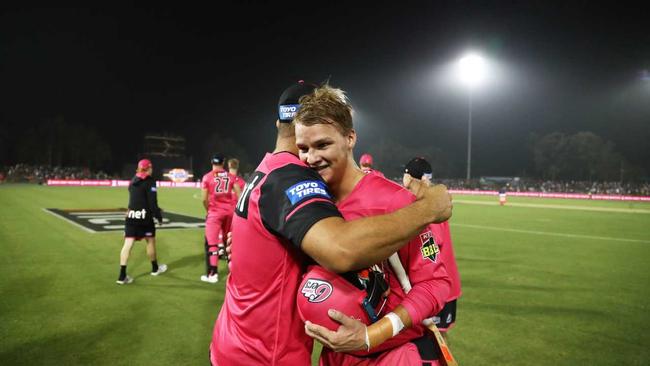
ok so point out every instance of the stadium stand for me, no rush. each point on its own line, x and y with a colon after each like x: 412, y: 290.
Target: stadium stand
x: 546, y: 186
x: 23, y: 173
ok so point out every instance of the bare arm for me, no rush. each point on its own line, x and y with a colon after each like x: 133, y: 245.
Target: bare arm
x: 426, y: 285
x: 342, y: 246
x: 204, y: 197
x: 237, y: 190
x: 351, y: 335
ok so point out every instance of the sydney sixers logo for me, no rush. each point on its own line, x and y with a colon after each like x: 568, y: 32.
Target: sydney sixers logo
x: 316, y: 290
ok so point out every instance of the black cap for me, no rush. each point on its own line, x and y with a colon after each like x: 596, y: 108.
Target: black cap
x: 418, y: 167
x: 218, y: 159
x: 289, y: 102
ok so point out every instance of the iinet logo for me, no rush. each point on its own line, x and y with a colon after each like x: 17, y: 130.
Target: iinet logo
x: 132, y: 214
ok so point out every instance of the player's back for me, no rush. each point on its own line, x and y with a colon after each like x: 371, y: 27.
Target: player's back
x: 219, y: 185
x: 257, y: 322
x: 140, y: 190
x: 241, y: 183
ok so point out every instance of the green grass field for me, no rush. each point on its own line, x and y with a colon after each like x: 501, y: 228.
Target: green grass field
x: 545, y: 282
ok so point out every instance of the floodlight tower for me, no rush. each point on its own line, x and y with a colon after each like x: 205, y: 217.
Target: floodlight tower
x: 472, y: 73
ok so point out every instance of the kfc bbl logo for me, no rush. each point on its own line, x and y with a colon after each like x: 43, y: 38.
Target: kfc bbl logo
x: 316, y: 290
x: 178, y: 175
x: 429, y: 248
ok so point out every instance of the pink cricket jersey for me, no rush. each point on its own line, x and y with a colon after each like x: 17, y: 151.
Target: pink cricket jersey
x: 258, y: 323
x: 443, y: 233
x: 241, y: 183
x: 220, y: 195
x: 420, y: 258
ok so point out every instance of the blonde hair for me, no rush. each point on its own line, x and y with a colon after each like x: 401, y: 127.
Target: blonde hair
x: 326, y: 105
x: 233, y: 163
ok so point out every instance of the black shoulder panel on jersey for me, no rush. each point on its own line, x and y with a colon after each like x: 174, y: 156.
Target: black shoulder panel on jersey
x: 241, y: 209
x: 292, y: 199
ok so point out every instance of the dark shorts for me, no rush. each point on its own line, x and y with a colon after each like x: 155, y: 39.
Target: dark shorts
x: 427, y: 349
x: 446, y: 317
x: 139, y: 231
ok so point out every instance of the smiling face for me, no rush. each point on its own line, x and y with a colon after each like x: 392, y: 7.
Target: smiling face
x: 327, y: 150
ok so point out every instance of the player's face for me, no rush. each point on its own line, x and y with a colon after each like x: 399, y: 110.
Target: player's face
x: 325, y: 149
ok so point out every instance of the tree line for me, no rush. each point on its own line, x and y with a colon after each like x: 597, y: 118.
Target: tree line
x: 55, y: 142
x: 581, y: 156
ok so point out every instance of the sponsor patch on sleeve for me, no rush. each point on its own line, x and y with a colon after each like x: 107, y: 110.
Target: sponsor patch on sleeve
x: 316, y: 290
x: 429, y: 247
x: 307, y: 188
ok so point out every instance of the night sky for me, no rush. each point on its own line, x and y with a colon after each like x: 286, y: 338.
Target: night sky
x: 196, y: 71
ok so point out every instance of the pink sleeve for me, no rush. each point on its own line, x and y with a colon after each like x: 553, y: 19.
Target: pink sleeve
x: 427, y: 273
x: 232, y: 178
x: 428, y: 276
x: 430, y: 288
x: 205, y: 183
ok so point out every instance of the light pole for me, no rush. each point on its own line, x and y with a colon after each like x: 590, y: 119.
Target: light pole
x: 472, y: 69
x: 469, y: 135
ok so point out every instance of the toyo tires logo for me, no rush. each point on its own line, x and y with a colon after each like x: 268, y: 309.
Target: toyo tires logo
x: 316, y: 290
x: 288, y: 111
x: 306, y: 188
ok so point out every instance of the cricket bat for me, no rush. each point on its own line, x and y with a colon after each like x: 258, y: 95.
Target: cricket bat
x: 447, y: 358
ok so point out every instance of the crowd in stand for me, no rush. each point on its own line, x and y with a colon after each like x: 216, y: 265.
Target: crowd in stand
x: 41, y: 173
x: 626, y: 188
x: 530, y: 185
x: 23, y: 173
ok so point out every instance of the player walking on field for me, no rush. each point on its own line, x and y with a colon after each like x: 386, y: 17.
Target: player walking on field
x: 219, y: 189
x: 284, y: 215
x: 325, y: 138
x: 143, y: 208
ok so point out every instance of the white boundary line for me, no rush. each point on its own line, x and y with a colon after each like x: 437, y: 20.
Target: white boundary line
x: 70, y: 221
x: 559, y: 207
x: 551, y: 233
x: 113, y: 231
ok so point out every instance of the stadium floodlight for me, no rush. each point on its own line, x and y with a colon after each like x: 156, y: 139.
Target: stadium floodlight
x: 472, y: 70
x: 472, y: 73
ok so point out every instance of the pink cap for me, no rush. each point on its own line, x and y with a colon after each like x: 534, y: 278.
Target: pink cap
x: 366, y: 159
x: 144, y: 164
